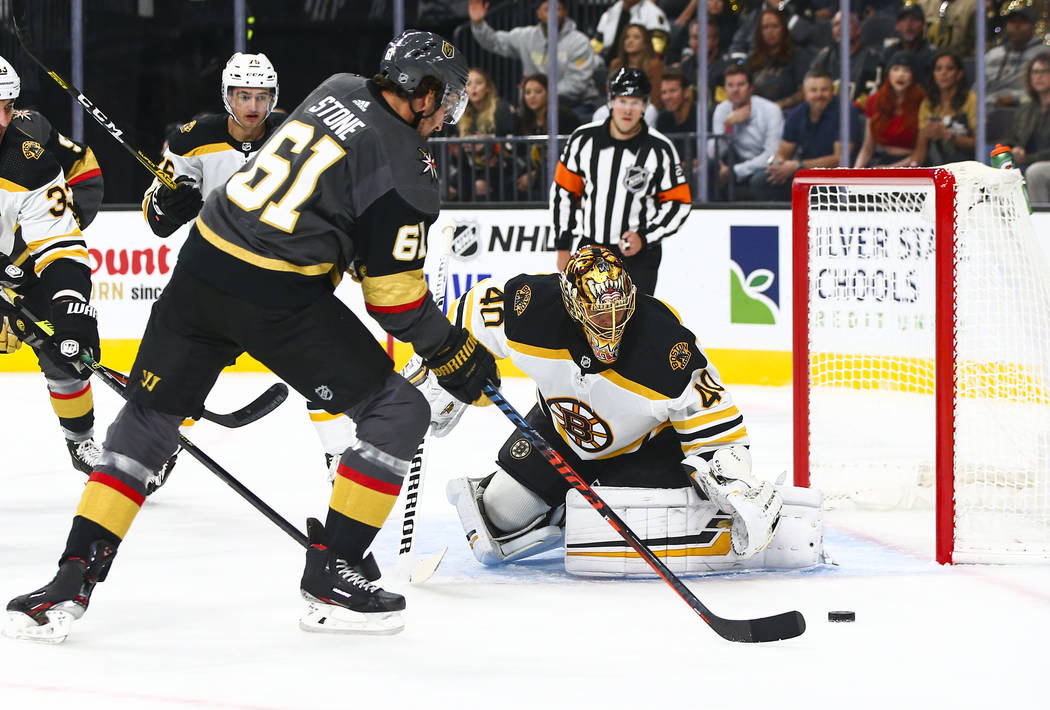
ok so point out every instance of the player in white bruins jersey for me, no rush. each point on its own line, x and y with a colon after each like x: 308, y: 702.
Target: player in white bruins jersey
x: 44, y: 259
x: 202, y: 155
x: 625, y: 395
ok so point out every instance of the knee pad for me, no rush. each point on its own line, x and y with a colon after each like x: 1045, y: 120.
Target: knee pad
x: 140, y: 440
x: 393, y: 419
x: 533, y: 525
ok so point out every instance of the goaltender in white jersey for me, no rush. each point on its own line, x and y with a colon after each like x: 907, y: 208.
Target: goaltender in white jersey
x: 631, y: 401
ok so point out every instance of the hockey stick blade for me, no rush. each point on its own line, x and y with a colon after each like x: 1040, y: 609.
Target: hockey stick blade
x: 258, y: 408
x: 426, y: 567
x: 771, y: 628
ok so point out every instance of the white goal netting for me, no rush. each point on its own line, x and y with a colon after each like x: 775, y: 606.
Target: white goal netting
x: 872, y: 353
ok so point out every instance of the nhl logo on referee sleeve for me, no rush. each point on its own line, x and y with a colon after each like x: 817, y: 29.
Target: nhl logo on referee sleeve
x: 679, y: 356
x: 636, y: 179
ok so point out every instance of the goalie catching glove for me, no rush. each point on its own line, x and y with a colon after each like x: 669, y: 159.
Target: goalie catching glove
x: 463, y: 366
x: 75, y: 331
x: 754, y: 505
x: 181, y: 204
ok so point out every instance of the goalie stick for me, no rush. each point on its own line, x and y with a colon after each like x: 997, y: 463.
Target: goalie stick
x: 117, y: 384
x: 770, y: 628
x: 118, y: 134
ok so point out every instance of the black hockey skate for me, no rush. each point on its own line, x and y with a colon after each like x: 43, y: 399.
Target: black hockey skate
x: 341, y: 596
x: 85, y: 454
x: 46, y: 614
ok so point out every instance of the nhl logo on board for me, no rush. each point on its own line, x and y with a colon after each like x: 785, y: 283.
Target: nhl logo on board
x: 636, y: 179
x: 324, y: 392
x: 32, y: 150
x: 521, y: 299
x: 448, y: 50
x: 520, y: 449
x: 679, y: 356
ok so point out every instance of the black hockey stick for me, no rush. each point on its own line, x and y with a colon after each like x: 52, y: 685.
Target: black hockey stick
x: 117, y: 382
x: 770, y: 628
x: 258, y: 408
x: 27, y: 44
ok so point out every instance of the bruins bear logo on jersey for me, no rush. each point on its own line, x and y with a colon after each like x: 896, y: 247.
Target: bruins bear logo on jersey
x: 581, y: 424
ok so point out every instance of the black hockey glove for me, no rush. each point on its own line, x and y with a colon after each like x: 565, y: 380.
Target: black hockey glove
x: 463, y: 366
x: 76, y: 332
x: 181, y: 204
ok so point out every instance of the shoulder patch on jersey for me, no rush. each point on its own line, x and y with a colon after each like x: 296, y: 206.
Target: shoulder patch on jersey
x: 187, y: 127
x: 429, y: 166
x: 522, y: 297
x: 679, y: 355
x: 32, y: 150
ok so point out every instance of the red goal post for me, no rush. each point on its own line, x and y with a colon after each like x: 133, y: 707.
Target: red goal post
x: 921, y: 352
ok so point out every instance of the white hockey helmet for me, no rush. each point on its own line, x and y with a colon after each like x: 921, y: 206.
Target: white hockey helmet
x: 10, y: 84
x: 253, y: 71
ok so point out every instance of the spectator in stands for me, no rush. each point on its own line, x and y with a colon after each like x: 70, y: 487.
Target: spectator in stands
x: 626, y: 12
x: 864, y: 61
x: 636, y: 50
x: 892, y: 127
x: 577, y: 61
x: 746, y: 130
x: 1029, y: 135
x: 716, y: 61
x: 804, y: 31
x: 776, y: 64
x: 1005, y: 63
x: 533, y: 180
x: 947, y: 116
x: 486, y: 115
x: 952, y: 24
x: 910, y: 37
x: 810, y: 140
x: 679, y: 114
x: 718, y: 12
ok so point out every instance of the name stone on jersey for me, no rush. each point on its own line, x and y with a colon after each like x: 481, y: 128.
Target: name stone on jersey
x: 337, y: 117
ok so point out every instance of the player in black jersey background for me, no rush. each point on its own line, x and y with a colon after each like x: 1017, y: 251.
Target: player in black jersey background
x: 345, y: 183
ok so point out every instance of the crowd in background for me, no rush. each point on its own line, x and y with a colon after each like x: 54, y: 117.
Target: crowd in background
x: 773, y: 78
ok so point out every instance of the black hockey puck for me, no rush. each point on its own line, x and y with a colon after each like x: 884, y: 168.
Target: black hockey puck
x: 842, y: 616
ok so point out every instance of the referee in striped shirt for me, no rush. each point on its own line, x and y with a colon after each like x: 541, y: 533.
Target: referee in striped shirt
x: 620, y: 184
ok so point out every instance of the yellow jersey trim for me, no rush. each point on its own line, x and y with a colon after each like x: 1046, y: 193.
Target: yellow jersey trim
x: 263, y: 262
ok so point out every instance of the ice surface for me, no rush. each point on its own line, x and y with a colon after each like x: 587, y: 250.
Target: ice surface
x: 202, y: 604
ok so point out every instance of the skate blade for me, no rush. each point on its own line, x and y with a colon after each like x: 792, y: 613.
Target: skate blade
x: 425, y: 568
x: 331, y: 619
x: 22, y: 627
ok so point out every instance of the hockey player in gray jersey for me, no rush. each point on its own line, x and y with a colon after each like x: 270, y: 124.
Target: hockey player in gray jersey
x: 346, y: 183
x: 43, y: 256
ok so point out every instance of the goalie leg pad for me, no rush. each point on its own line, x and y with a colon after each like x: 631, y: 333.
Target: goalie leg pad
x: 538, y: 533
x: 688, y: 533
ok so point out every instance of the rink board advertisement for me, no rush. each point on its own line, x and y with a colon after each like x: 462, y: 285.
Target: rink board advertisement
x: 727, y: 273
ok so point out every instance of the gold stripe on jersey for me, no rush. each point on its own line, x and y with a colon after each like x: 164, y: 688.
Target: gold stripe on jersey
x: 35, y: 246
x: 536, y: 351
x: 78, y: 255
x: 686, y: 425
x: 631, y: 386
x: 699, y: 446
x: 263, y: 262
x: 394, y: 290
x: 9, y: 186
x: 85, y: 164
x: 208, y: 148
x: 635, y: 445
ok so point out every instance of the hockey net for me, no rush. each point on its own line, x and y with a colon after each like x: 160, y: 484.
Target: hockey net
x: 922, y: 352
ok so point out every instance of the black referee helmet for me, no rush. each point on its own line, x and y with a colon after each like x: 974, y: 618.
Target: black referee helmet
x: 628, y: 81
